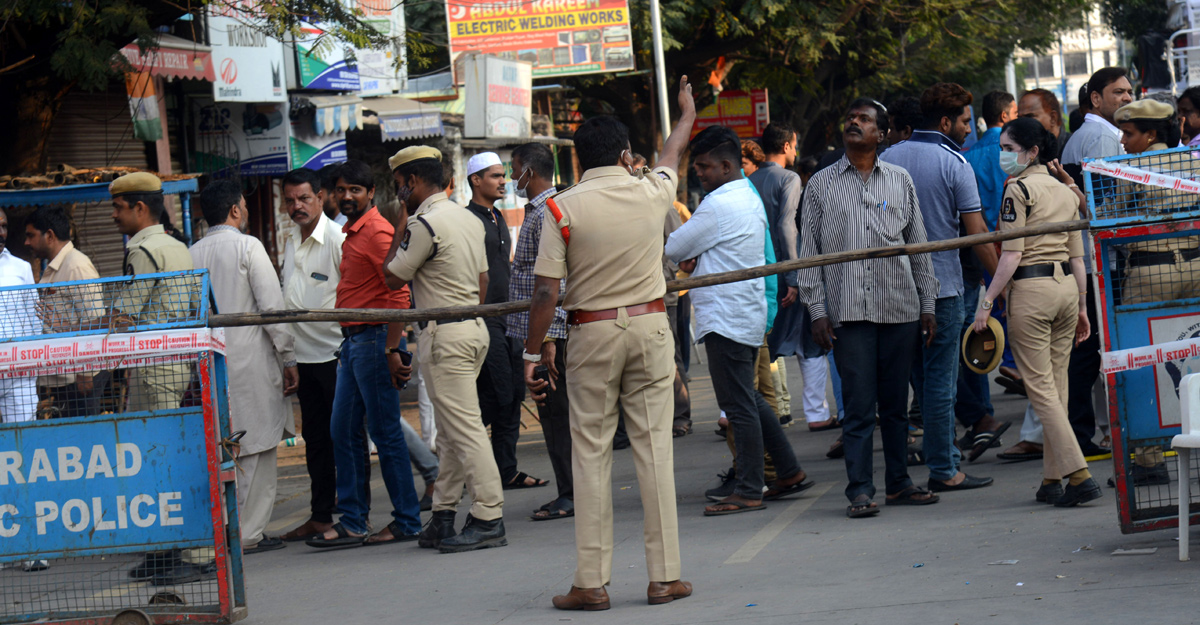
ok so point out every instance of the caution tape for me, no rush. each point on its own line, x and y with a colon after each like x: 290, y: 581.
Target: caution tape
x: 76, y: 354
x: 1142, y: 176
x: 1150, y: 355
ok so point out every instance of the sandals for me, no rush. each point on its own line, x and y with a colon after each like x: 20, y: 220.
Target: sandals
x: 1012, y: 387
x: 344, y: 539
x: 779, y: 492
x: 829, y: 424
x: 398, y: 536
x: 836, y: 450
x: 519, y: 482
x: 861, y: 508
x: 912, y: 496
x: 986, y: 440
x: 736, y: 508
x: 560, y: 508
x: 681, y: 429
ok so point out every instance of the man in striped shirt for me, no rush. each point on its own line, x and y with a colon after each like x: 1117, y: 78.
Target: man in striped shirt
x: 876, y: 309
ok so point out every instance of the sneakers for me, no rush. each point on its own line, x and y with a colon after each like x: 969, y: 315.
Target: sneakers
x: 475, y: 534
x: 728, y: 483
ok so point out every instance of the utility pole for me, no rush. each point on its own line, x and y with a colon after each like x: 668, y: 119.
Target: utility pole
x: 1010, y: 76
x: 660, y: 70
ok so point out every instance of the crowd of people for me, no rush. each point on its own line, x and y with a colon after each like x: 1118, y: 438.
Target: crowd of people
x: 609, y: 367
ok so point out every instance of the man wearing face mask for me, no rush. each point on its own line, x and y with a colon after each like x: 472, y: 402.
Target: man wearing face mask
x: 947, y: 195
x: 442, y: 253
x: 261, y: 360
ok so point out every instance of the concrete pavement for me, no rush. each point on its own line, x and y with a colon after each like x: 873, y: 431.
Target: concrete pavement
x: 799, y: 561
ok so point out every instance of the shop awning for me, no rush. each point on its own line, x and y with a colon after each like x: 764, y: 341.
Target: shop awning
x: 175, y: 57
x: 336, y: 113
x: 401, y: 118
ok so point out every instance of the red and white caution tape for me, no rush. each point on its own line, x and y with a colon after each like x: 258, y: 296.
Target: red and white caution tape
x: 75, y: 354
x: 1150, y: 355
x: 1135, y: 174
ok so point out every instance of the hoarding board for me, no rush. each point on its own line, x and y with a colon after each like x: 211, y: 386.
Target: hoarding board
x: 378, y: 73
x: 499, y: 94
x: 248, y: 63
x: 557, y: 37
x: 323, y: 63
x: 253, y: 137
x: 744, y: 112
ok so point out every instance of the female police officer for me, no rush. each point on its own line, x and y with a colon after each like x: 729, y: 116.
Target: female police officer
x: 1046, y: 306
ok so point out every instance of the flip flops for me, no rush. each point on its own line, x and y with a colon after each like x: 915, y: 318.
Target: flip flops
x: 738, y: 507
x: 861, y: 508
x: 344, y: 539
x: 909, y: 497
x: 398, y: 536
x: 775, y: 493
x: 985, y: 440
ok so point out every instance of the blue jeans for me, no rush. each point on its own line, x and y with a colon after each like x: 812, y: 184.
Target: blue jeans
x: 935, y: 379
x: 364, y: 390
x: 974, y: 400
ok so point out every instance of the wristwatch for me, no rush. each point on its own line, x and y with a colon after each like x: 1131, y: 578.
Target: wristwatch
x: 531, y: 357
x: 986, y: 304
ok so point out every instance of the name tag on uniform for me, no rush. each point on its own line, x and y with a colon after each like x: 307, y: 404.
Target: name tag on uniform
x: 320, y: 276
x: 1008, y: 212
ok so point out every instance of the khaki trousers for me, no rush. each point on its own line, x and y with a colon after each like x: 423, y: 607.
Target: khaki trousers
x: 630, y: 360
x: 779, y: 377
x: 256, y: 482
x: 762, y: 377
x: 158, y: 388
x: 1042, y: 315
x: 451, y: 356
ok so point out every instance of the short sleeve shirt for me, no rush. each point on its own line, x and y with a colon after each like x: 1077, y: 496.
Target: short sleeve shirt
x: 442, y: 254
x: 152, y: 250
x: 1048, y: 201
x: 363, y: 285
x: 608, y: 243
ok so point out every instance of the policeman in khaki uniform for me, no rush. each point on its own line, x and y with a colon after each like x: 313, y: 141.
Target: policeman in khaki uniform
x: 1047, y: 309
x: 137, y: 206
x: 604, y: 235
x: 442, y: 253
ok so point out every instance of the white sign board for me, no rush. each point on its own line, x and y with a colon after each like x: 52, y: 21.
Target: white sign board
x: 248, y: 63
x: 377, y: 71
x: 1167, y: 375
x: 498, y: 97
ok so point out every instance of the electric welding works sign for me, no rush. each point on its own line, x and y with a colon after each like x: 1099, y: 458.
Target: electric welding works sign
x: 557, y: 37
x: 73, y: 486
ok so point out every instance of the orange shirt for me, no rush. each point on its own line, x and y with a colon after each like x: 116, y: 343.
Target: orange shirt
x: 362, y: 284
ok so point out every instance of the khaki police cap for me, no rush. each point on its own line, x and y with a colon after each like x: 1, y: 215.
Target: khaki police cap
x: 982, y: 351
x: 137, y: 182
x: 413, y: 153
x: 1144, y: 109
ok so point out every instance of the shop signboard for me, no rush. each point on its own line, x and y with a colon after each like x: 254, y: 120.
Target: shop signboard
x: 249, y: 64
x: 249, y: 136
x: 745, y: 112
x: 322, y: 61
x: 556, y: 37
x: 499, y: 93
x: 378, y: 72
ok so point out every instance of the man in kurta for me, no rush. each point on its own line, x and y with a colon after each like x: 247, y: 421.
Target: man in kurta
x: 260, y: 360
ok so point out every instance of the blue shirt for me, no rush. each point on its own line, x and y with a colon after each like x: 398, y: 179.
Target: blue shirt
x: 946, y: 189
x: 984, y: 158
x: 727, y: 232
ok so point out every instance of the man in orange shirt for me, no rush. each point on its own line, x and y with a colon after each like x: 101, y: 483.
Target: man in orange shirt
x: 370, y: 372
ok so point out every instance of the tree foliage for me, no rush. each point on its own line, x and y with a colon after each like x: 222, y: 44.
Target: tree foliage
x: 1131, y: 19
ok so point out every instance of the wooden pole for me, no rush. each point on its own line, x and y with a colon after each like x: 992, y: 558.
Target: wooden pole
x: 386, y: 315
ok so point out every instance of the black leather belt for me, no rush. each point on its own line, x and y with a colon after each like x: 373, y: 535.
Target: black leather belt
x: 1039, y: 271
x: 441, y: 322
x: 349, y: 331
x: 1146, y: 259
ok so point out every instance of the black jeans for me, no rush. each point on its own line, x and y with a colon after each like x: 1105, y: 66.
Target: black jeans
x: 317, y: 383
x: 501, y: 390
x: 1081, y: 376
x: 555, y: 416
x: 755, y: 426
x: 683, y: 402
x: 875, y: 361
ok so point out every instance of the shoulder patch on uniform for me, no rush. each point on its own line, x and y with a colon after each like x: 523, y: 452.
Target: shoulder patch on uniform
x: 956, y: 153
x: 1008, y: 211
x: 405, y: 240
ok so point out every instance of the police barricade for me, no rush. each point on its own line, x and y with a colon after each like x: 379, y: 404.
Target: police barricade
x: 1146, y: 233
x: 117, y: 495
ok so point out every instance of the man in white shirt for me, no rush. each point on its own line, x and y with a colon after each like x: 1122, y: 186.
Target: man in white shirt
x: 18, y: 396
x: 728, y: 232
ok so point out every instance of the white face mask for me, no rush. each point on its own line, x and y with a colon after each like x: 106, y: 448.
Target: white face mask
x: 1010, y: 164
x: 522, y: 190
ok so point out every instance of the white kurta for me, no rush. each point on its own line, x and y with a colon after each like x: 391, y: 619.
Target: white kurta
x: 244, y: 281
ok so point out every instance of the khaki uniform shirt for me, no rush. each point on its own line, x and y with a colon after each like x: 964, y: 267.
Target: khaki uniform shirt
x: 311, y: 272
x: 152, y: 250
x: 68, y: 308
x: 1150, y: 199
x: 443, y: 265
x: 615, y: 221
x: 1049, y: 201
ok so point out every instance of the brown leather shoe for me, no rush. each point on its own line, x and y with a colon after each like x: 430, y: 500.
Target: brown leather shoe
x: 589, y: 599
x: 666, y: 592
x: 311, y: 529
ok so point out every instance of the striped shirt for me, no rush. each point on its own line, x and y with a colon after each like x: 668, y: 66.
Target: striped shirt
x: 842, y: 213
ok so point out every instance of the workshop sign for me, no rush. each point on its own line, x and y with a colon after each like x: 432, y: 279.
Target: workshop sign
x: 557, y: 37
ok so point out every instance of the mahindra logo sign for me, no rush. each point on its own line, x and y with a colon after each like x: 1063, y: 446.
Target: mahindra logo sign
x: 228, y: 71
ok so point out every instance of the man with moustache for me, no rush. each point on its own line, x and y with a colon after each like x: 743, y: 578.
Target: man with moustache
x: 260, y: 360
x: 1043, y: 106
x: 328, y: 175
x: 370, y: 372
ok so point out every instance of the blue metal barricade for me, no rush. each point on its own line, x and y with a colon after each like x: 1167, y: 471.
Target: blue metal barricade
x: 117, y: 495
x: 1146, y: 235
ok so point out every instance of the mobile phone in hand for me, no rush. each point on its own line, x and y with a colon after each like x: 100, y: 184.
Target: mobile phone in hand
x: 541, y: 372
x: 406, y: 360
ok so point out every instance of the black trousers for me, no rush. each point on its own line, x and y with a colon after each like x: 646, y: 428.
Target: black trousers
x: 501, y: 389
x: 874, y: 361
x: 555, y: 416
x: 683, y: 402
x: 317, y: 384
x: 1081, y: 376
